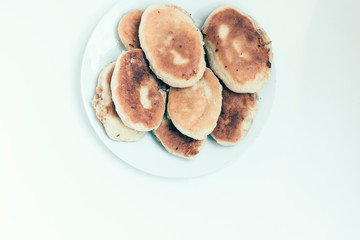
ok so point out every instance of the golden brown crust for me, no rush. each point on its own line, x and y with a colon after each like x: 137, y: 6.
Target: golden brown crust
x: 128, y: 29
x: 239, y: 51
x: 172, y: 44
x: 175, y: 142
x: 105, y: 109
x: 130, y: 78
x: 238, y: 110
x: 195, y: 110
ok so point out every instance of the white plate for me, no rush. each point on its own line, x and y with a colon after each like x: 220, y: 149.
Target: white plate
x: 148, y: 154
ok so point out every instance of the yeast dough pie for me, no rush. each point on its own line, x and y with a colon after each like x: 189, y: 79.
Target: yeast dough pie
x: 105, y: 109
x: 138, y: 96
x: 128, y: 29
x: 237, y: 115
x: 195, y: 110
x: 172, y: 45
x: 175, y: 142
x: 239, y: 52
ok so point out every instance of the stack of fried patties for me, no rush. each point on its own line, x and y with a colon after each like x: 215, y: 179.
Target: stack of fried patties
x: 161, y: 84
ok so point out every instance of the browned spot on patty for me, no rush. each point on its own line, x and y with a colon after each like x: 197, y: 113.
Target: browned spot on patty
x: 132, y: 76
x: 103, y: 108
x: 165, y: 32
x: 128, y: 29
x: 235, y: 108
x: 252, y: 53
x: 110, y: 109
x: 174, y: 140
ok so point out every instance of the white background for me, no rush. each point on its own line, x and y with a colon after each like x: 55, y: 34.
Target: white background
x: 299, y: 180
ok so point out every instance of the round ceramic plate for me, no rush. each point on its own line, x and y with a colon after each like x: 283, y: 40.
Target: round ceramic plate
x: 148, y: 154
